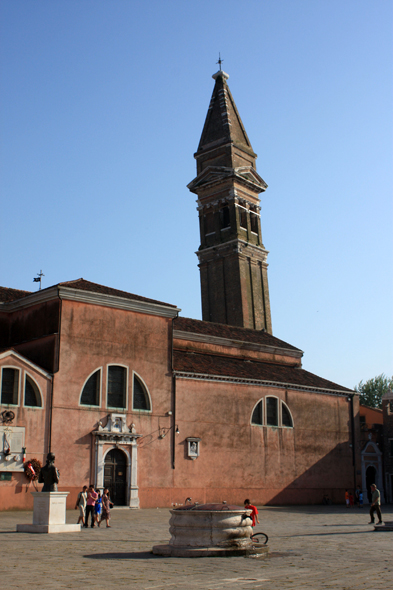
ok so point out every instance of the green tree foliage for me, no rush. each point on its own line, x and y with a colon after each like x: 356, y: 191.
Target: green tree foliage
x: 371, y: 392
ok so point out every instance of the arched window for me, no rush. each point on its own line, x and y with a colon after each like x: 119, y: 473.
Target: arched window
x: 273, y: 414
x: 257, y: 415
x: 32, y: 393
x: 286, y: 417
x: 91, y: 390
x: 272, y: 411
x: 141, y: 399
x: 117, y: 387
x: 9, y: 386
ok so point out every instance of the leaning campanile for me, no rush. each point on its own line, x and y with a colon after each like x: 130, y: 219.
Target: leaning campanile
x: 232, y: 258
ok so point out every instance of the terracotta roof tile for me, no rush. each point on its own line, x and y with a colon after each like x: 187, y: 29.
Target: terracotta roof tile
x: 222, y: 366
x: 230, y: 332
x: 7, y: 295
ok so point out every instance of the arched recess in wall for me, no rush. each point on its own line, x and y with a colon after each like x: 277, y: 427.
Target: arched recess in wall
x: 141, y: 399
x: 32, y: 393
x: 90, y: 394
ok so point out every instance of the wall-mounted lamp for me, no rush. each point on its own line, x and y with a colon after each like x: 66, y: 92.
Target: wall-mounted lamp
x: 164, y: 431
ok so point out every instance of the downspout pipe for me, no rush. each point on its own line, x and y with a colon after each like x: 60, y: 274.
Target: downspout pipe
x: 55, y: 370
x: 173, y: 397
x: 351, y: 396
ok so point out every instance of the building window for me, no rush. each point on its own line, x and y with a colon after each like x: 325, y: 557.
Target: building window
x: 243, y: 217
x: 391, y: 447
x: 209, y: 223
x: 32, y: 394
x: 117, y: 382
x: 254, y: 222
x: 91, y: 390
x: 9, y: 386
x: 257, y: 415
x: 141, y: 399
x: 224, y: 217
x: 272, y: 411
x: 272, y: 415
x: 286, y: 418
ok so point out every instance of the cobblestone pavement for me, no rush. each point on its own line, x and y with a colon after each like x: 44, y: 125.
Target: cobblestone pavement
x: 311, y: 547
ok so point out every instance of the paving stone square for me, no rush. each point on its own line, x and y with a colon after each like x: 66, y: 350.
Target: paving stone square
x: 313, y: 547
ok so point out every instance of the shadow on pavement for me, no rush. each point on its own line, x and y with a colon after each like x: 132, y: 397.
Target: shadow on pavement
x: 133, y: 555
x: 346, y: 524
x: 328, y: 534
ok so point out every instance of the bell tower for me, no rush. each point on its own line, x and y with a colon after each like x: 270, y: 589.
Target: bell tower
x: 232, y: 257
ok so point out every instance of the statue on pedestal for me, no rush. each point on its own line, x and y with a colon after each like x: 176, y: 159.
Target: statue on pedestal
x: 49, y: 475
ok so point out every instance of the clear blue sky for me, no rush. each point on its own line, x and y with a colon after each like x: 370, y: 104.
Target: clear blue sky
x: 102, y: 107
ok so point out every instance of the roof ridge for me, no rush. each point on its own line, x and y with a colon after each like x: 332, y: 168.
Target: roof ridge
x: 75, y: 281
x: 254, y: 334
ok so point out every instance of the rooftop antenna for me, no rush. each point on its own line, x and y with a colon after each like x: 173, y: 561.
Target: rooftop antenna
x: 219, y: 60
x: 38, y: 278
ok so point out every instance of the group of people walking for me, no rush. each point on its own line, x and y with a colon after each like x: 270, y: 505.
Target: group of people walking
x: 92, y: 504
x: 350, y: 499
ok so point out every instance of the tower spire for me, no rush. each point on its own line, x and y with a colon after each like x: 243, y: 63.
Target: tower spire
x: 232, y: 257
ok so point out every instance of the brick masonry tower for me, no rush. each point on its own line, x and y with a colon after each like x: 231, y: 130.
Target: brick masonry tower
x: 232, y: 258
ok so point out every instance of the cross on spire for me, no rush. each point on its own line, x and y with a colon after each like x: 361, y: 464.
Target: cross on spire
x: 219, y: 60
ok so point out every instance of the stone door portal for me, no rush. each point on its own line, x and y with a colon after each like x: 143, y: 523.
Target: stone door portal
x: 115, y: 476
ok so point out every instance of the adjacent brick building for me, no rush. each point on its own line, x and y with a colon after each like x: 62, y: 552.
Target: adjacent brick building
x: 387, y: 409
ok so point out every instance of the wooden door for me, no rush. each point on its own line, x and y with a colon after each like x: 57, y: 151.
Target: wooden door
x: 115, y: 476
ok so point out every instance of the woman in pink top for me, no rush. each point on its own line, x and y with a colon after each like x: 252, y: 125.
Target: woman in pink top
x: 91, y: 500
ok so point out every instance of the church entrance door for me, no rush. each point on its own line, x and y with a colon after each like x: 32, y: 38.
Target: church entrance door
x: 115, y: 476
x: 370, y: 479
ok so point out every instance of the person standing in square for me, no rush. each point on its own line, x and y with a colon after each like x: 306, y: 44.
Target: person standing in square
x: 375, y: 504
x: 91, y: 500
x: 81, y: 502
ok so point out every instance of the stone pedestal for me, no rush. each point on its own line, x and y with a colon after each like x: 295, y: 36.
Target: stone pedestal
x: 49, y: 514
x: 386, y: 526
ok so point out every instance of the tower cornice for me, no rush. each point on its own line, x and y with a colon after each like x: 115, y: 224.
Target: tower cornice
x: 237, y: 245
x: 213, y: 175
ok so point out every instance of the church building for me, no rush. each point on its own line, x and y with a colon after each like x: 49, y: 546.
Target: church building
x: 157, y: 407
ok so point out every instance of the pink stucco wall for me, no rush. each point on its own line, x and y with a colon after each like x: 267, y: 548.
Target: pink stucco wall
x: 237, y: 459
x: 35, y: 420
